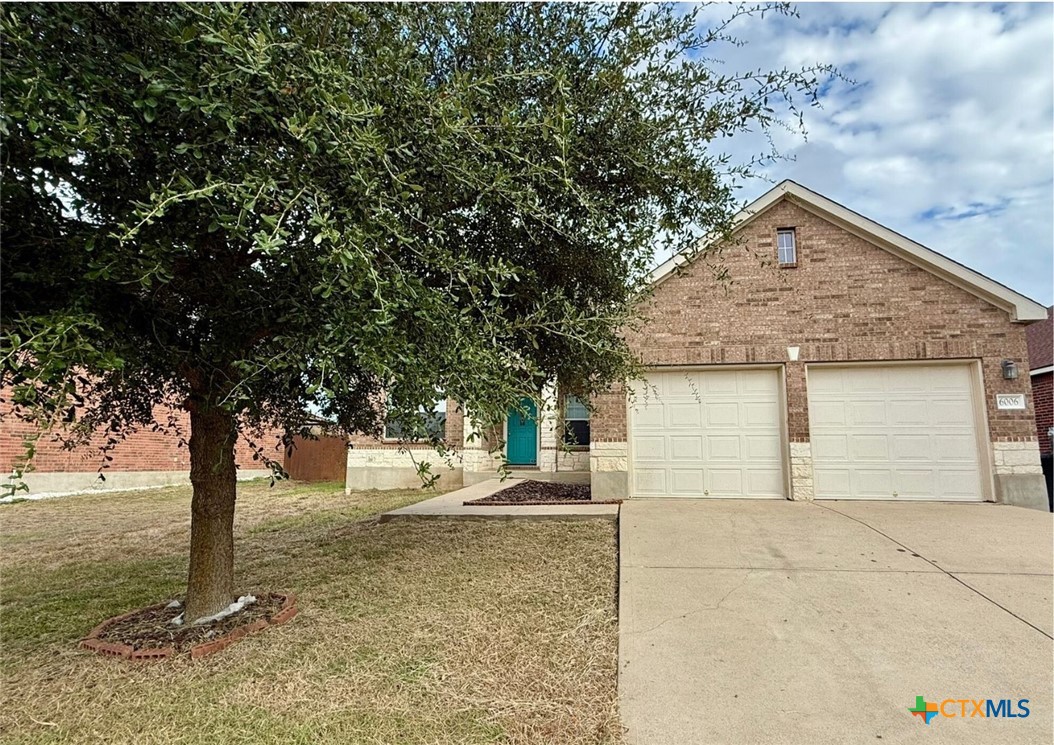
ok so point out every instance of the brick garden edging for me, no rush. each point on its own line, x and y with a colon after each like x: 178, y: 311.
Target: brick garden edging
x: 93, y: 643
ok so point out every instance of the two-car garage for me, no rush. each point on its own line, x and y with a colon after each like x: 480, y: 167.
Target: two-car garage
x: 897, y: 432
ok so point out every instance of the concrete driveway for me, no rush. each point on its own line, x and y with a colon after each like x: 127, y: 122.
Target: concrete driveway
x: 795, y: 622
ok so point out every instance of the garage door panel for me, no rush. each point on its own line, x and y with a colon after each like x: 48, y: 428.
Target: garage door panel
x: 869, y: 448
x: 871, y: 383
x: 649, y: 416
x: 909, y: 412
x: 826, y: 413
x: 912, y: 447
x: 764, y: 482
x: 687, y: 482
x: 757, y: 383
x: 686, y: 447
x: 907, y: 385
x: 683, y: 415
x: 725, y: 482
x: 830, y: 448
x: 649, y: 448
x: 648, y: 391
x: 894, y: 433
x: 953, y: 379
x: 723, y: 448
x: 720, y: 383
x: 957, y: 484
x: 955, y: 413
x: 918, y: 483
x: 872, y: 483
x: 830, y: 382
x: 954, y: 448
x: 683, y: 385
x: 760, y: 414
x: 866, y: 413
x: 649, y: 481
x: 831, y: 480
x: 722, y: 414
x: 762, y: 448
x: 710, y: 433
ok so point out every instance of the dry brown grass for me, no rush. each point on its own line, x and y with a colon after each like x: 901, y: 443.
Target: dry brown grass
x: 410, y: 632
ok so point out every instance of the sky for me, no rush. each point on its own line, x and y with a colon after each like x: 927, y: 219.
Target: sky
x: 944, y: 134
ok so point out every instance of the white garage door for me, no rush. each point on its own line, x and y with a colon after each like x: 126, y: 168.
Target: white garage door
x: 906, y: 432
x: 707, y: 434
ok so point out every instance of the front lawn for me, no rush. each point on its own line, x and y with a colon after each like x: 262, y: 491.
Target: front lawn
x: 431, y: 631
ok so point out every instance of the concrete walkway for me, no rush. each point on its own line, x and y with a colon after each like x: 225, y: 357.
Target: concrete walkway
x: 452, y: 504
x: 789, y: 622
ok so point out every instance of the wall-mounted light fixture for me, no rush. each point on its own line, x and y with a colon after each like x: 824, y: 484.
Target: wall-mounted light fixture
x: 1009, y: 369
x: 792, y: 353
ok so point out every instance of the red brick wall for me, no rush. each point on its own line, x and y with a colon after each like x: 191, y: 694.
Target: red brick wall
x: 847, y: 299
x: 141, y: 451
x: 1044, y: 403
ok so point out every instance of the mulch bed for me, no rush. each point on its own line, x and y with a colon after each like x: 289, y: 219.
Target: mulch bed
x: 531, y: 492
x: 148, y: 633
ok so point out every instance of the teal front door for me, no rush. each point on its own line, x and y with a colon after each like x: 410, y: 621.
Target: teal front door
x: 523, y: 436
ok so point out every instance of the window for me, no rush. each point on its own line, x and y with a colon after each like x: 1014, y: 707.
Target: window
x: 576, y: 422
x: 426, y: 425
x: 786, y: 247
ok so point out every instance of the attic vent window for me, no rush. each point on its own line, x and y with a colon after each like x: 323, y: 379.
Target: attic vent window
x: 786, y: 247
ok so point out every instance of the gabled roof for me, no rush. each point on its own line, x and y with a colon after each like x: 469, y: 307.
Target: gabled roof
x: 1019, y: 307
x: 1041, y: 343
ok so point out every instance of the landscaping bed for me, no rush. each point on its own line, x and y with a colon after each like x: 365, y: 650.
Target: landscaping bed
x: 531, y: 492
x: 158, y: 631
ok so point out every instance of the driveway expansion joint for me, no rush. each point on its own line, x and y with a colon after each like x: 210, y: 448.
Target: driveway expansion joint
x: 939, y: 567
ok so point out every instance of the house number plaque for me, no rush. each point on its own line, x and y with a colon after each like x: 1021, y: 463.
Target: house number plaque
x: 1010, y: 400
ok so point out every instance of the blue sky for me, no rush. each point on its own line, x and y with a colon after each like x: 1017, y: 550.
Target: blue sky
x: 947, y: 135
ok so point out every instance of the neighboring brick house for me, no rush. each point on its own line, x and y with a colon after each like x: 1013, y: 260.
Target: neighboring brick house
x: 841, y: 361
x: 144, y: 458
x: 1041, y: 370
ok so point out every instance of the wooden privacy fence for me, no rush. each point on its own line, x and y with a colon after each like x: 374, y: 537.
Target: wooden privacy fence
x: 324, y: 459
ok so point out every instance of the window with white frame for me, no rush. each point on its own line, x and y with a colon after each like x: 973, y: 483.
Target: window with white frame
x: 786, y: 247
x: 576, y: 422
x: 426, y: 425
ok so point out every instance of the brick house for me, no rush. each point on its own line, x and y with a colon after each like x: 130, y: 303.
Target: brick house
x: 1041, y: 369
x: 841, y: 361
x: 144, y: 458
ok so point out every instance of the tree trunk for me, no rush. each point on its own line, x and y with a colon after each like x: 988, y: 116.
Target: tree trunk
x: 210, y: 585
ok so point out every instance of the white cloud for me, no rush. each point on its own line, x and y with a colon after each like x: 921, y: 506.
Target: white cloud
x: 947, y: 135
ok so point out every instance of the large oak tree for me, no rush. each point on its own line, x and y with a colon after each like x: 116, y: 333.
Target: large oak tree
x: 253, y: 211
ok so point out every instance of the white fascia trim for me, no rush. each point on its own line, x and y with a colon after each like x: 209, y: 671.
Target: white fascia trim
x: 1042, y: 370
x: 1020, y: 308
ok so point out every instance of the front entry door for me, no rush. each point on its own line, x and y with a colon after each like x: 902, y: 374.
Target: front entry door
x: 523, y: 436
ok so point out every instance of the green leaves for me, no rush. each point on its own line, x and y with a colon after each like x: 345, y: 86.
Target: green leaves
x: 282, y: 208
